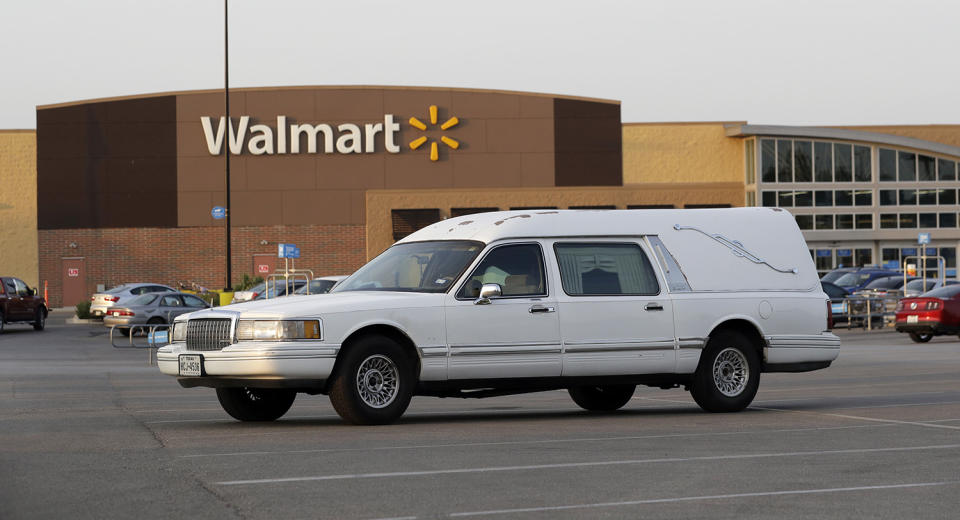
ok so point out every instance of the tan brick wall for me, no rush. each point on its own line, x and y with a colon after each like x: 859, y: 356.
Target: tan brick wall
x: 380, y: 202
x: 681, y: 153
x: 18, y: 205
x: 169, y: 255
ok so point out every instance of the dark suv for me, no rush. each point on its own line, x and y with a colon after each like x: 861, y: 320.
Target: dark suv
x: 21, y: 304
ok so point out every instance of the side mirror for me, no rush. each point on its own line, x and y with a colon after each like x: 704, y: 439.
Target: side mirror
x: 35, y: 291
x: 488, y: 291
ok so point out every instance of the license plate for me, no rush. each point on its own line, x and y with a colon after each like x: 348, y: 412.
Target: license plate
x: 913, y: 318
x: 191, y: 365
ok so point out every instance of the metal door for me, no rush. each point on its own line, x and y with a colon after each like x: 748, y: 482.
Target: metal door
x: 74, y: 281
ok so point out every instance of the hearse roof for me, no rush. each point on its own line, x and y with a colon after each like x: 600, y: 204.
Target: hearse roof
x: 717, y: 249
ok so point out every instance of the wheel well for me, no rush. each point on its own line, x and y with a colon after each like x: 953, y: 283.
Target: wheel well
x: 387, y: 331
x: 747, y: 329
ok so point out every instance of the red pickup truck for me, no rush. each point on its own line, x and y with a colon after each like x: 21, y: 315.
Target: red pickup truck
x: 21, y: 304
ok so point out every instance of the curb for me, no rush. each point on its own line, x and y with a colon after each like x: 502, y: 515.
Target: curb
x: 73, y: 320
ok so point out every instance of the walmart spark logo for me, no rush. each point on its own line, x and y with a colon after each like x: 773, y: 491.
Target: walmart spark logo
x: 418, y: 142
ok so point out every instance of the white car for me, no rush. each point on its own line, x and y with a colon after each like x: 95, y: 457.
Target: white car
x: 119, y: 295
x: 321, y: 285
x: 595, y: 302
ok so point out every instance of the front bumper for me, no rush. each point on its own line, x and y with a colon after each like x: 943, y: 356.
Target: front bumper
x: 256, y: 360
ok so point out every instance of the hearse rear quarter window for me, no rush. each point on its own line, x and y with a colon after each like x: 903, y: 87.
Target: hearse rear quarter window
x: 592, y: 269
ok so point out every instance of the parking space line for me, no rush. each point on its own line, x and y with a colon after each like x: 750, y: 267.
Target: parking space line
x: 533, y: 467
x: 533, y: 442
x: 705, y: 497
x: 861, y: 418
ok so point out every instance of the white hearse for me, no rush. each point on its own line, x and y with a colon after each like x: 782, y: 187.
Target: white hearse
x: 595, y: 302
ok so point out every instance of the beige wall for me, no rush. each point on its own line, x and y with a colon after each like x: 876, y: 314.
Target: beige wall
x: 18, y: 205
x: 680, y: 152
x: 380, y: 202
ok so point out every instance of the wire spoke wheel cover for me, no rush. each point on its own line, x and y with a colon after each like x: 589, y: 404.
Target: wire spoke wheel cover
x: 378, y: 381
x: 731, y: 372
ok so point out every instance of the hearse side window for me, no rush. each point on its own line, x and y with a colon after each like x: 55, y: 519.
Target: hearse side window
x: 518, y: 268
x: 592, y: 269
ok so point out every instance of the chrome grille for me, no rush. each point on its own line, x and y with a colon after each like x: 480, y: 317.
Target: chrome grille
x: 208, y: 333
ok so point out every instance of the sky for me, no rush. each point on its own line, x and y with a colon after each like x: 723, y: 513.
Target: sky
x: 764, y: 61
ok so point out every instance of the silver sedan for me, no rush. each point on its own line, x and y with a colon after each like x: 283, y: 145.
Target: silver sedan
x: 152, y: 309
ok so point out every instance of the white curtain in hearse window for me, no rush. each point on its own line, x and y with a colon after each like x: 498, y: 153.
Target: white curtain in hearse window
x: 602, y: 269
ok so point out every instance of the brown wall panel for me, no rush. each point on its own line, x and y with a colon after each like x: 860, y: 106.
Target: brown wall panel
x: 284, y: 172
x: 588, y: 143
x: 348, y: 172
x: 359, y: 104
x: 107, y: 164
x: 484, y: 105
x: 520, y: 135
x: 488, y: 170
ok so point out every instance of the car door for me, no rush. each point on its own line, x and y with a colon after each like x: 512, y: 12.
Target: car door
x: 30, y: 301
x: 616, y: 317
x: 16, y: 307
x: 514, y: 335
x: 170, y: 307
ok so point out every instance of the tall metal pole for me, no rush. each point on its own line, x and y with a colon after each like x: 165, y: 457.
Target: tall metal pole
x: 228, y: 285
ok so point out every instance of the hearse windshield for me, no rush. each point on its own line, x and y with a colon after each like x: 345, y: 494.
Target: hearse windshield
x: 414, y: 267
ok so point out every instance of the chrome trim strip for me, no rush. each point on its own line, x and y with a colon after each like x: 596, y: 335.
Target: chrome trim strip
x: 736, y: 247
x: 433, y: 351
x: 498, y: 349
x: 618, y: 345
x: 691, y: 343
x: 617, y: 348
x: 828, y: 340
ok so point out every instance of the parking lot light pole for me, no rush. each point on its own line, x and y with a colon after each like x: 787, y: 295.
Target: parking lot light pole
x: 228, y: 286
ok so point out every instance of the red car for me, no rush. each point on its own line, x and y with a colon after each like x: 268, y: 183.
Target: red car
x: 21, y: 304
x: 933, y: 313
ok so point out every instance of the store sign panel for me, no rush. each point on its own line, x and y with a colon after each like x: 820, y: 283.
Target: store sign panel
x: 347, y: 138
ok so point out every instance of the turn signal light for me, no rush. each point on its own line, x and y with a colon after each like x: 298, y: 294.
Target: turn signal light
x: 112, y: 298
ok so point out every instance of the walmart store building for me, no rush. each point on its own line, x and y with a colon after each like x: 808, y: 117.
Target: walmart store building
x: 115, y: 190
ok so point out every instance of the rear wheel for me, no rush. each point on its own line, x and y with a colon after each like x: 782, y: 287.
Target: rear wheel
x: 605, y: 398
x: 2, y: 321
x: 255, y: 404
x: 374, y: 382
x: 40, y: 320
x: 921, y: 337
x: 728, y: 375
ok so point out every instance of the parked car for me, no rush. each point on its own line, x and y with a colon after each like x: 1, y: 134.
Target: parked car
x: 321, y: 285
x: 121, y: 294
x: 21, y: 304
x: 249, y: 294
x: 276, y: 289
x: 151, y: 309
x: 836, y: 273
x: 931, y: 314
x: 851, y: 309
x: 857, y: 279
x: 885, y: 286
x: 520, y: 301
x: 919, y: 286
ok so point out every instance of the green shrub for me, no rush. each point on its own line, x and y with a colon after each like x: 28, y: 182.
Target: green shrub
x: 83, y: 310
x: 247, y: 282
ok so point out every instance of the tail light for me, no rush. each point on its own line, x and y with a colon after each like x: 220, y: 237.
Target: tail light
x: 112, y: 298
x: 829, y: 315
x: 124, y: 312
x: 254, y: 296
x: 933, y: 305
x: 92, y: 298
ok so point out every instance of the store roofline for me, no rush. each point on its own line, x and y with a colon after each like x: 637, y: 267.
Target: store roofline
x: 819, y: 132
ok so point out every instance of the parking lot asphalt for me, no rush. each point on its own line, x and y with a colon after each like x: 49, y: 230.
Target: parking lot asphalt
x: 89, y: 431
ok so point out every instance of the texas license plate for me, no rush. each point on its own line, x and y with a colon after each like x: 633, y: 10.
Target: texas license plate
x: 913, y: 318
x: 191, y: 365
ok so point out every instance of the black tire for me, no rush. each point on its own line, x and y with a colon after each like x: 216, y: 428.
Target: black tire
x: 40, y: 320
x: 606, y: 398
x: 256, y: 404
x: 123, y: 332
x: 736, y: 362
x: 374, y: 382
x: 921, y: 337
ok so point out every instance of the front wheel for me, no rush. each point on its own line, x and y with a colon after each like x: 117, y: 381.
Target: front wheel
x: 605, y: 398
x: 728, y: 375
x: 40, y: 320
x: 374, y: 382
x: 255, y: 404
x: 920, y: 337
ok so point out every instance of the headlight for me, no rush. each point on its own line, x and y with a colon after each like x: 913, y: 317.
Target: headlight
x: 277, y: 330
x: 179, y: 332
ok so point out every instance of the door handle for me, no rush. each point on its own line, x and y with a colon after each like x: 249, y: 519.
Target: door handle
x: 653, y: 307
x: 541, y: 308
